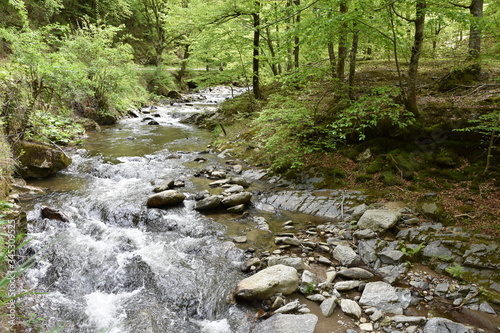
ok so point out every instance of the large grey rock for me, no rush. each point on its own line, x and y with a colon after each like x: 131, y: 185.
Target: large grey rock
x: 391, y: 273
x: 382, y: 296
x: 237, y: 199
x: 272, y: 280
x: 165, y: 199
x: 296, y: 263
x: 355, y: 273
x: 287, y: 323
x: 378, y: 220
x: 391, y: 257
x: 442, y: 325
x: 350, y: 308
x: 412, y: 320
x: 38, y: 160
x: 345, y: 255
x: 209, y: 203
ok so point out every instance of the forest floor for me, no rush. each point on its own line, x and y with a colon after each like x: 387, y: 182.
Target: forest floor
x: 433, y: 161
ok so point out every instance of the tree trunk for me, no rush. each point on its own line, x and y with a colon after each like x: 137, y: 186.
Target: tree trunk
x: 342, y: 51
x: 476, y: 10
x: 352, y: 61
x: 411, y: 103
x: 272, y: 51
x: 256, y: 52
x: 333, y: 60
x: 296, y: 47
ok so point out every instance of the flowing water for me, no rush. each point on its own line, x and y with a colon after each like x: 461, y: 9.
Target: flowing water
x: 118, y: 266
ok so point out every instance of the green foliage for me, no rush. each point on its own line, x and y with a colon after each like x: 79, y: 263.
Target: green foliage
x: 286, y: 141
x: 370, y: 112
x: 455, y: 270
x: 55, y: 129
x: 412, y: 251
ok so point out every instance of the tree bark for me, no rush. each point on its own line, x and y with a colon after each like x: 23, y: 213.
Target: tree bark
x: 333, y: 60
x: 411, y: 103
x: 342, y: 50
x: 476, y: 10
x: 296, y: 46
x: 352, y: 61
x: 256, y: 52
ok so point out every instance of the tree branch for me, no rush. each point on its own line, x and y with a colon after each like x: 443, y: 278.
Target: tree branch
x: 459, y: 5
x: 401, y: 16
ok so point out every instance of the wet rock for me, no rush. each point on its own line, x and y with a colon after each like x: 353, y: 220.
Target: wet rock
x: 237, y: 199
x: 234, y: 189
x: 287, y: 323
x: 239, y: 181
x: 440, y: 325
x: 382, y: 296
x: 297, y: 263
x: 153, y: 123
x: 355, y: 273
x: 328, y: 306
x: 38, y: 160
x: 218, y: 175
x: 272, y: 280
x: 166, y: 185
x: 350, y: 308
x: 165, y: 199
x: 209, y: 203
x: 261, y: 223
x: 54, y: 214
x: 237, y: 209
x: 378, y: 220
x: 345, y: 255
x: 240, y: 239
x: 251, y: 265
x: 287, y: 240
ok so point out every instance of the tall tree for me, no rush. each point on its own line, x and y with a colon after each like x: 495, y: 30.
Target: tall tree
x: 476, y: 11
x: 256, y: 51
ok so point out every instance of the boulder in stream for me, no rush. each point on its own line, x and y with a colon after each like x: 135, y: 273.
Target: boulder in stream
x: 208, y: 203
x: 237, y: 199
x: 165, y: 199
x: 264, y: 284
x: 39, y: 160
x: 378, y: 220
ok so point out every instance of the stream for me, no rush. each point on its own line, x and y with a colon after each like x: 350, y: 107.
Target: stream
x: 118, y: 266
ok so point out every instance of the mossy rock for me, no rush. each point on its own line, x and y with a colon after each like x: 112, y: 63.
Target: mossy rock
x: 363, y: 178
x: 335, y: 173
x: 460, y: 77
x: 38, y: 160
x: 446, y: 158
x: 390, y: 179
x: 376, y: 166
x: 403, y: 162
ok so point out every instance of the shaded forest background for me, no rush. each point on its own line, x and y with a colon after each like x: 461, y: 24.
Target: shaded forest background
x: 401, y: 97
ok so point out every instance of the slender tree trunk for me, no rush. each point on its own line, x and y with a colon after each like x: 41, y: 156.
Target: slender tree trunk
x: 272, y: 51
x: 333, y: 60
x: 342, y: 51
x: 289, y: 61
x: 352, y: 61
x: 296, y: 47
x: 256, y: 51
x: 476, y: 10
x: 184, y: 61
x: 411, y: 103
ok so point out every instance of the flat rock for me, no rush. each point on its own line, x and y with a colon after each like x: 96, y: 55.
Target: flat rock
x: 440, y: 325
x: 165, y: 185
x: 287, y: 323
x: 355, y: 273
x: 347, y: 285
x: 378, y: 220
x: 272, y: 280
x: 412, y: 320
